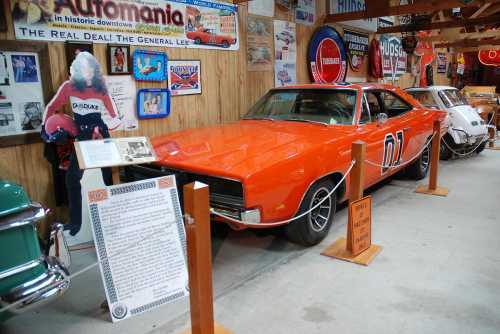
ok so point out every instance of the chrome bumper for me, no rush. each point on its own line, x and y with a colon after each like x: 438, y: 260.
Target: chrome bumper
x: 42, y: 289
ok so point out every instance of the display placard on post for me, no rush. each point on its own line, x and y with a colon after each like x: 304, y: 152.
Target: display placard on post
x: 111, y: 152
x: 360, y: 218
x: 140, y: 242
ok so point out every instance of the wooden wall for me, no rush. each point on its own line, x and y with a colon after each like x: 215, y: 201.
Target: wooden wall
x: 228, y: 91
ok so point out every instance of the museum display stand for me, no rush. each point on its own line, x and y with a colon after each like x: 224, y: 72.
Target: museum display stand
x: 357, y: 246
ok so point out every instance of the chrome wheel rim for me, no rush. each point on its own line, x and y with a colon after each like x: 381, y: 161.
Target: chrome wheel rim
x: 426, y: 157
x: 319, y: 217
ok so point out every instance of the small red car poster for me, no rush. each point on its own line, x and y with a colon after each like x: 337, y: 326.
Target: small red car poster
x: 327, y: 56
x: 184, y: 77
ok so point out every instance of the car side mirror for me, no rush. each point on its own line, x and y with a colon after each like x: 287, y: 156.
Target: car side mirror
x: 381, y: 118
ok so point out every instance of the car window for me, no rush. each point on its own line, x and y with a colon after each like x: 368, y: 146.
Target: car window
x: 328, y: 106
x: 373, y: 104
x: 393, y: 105
x: 425, y: 97
x: 452, y: 98
x: 365, y: 112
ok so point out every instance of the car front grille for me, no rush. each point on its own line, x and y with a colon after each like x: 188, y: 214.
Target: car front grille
x: 225, y: 195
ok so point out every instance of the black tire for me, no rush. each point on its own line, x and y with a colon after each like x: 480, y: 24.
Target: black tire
x: 481, y: 147
x: 419, y: 168
x: 197, y: 40
x: 313, y: 227
x: 444, y: 152
x: 225, y: 44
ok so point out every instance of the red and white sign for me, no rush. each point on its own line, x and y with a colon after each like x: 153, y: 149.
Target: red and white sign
x: 489, y: 57
x: 327, y: 56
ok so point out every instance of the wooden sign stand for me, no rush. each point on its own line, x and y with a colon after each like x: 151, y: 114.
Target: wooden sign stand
x: 199, y: 253
x: 433, y: 188
x: 493, y: 133
x: 345, y: 248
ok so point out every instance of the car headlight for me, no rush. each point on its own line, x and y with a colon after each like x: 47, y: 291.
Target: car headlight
x: 251, y: 216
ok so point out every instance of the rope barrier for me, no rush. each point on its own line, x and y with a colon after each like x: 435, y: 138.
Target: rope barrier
x: 214, y: 212
x: 429, y: 141
x: 468, y: 153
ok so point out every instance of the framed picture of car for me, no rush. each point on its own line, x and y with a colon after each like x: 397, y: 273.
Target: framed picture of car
x: 184, y: 77
x: 118, y: 59
x: 150, y: 65
x: 153, y: 103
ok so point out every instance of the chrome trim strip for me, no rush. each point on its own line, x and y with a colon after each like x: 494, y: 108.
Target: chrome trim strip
x: 19, y: 269
x: 30, y: 215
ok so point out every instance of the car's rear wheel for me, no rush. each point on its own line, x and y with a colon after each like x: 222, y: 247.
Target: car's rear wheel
x: 313, y: 227
x: 419, y: 168
x: 225, y: 44
x: 197, y: 40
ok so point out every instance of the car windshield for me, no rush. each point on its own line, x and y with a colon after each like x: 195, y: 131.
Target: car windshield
x: 326, y: 106
x: 425, y: 97
x: 452, y: 98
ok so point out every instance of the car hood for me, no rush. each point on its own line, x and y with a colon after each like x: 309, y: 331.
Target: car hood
x: 240, y: 149
x: 467, y: 112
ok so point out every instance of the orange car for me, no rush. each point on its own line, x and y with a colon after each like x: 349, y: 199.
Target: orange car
x: 291, y: 149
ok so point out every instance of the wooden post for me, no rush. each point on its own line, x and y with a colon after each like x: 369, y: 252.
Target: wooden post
x: 356, y: 181
x: 199, y: 249
x: 342, y: 249
x: 433, y: 188
x: 436, y: 142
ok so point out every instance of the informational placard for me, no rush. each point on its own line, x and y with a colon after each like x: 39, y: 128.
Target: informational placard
x: 393, y: 57
x: 360, y: 220
x: 259, y: 43
x: 327, y: 56
x: 357, y: 48
x: 285, y: 53
x: 123, y: 92
x: 348, y: 6
x: 442, y: 60
x: 140, y: 242
x: 305, y: 13
x: 21, y: 93
x: 184, y: 77
x: 174, y: 23
x: 261, y: 7
x: 114, y: 152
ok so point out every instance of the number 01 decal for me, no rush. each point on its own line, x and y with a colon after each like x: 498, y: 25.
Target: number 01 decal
x: 390, y: 150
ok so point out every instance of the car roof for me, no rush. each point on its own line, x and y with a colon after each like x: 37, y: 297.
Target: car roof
x: 338, y: 85
x: 429, y: 88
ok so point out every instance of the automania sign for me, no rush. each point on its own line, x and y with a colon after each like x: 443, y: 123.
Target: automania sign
x: 173, y: 23
x: 393, y: 57
x: 327, y: 56
x: 357, y: 48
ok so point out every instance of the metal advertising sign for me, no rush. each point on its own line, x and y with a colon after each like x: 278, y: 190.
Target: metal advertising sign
x: 173, y: 23
x: 327, y: 56
x: 393, y: 57
x: 489, y: 57
x: 347, y: 6
x: 357, y: 48
x: 441, y: 62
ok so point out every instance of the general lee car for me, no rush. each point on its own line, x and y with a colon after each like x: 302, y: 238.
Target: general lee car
x: 291, y: 149
x: 209, y: 36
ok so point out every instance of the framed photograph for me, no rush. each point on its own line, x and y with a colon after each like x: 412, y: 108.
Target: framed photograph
x: 184, y: 77
x: 25, y: 89
x: 150, y: 65
x: 73, y: 48
x: 153, y: 103
x: 118, y: 59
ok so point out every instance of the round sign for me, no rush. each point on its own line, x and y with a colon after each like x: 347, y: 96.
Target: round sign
x: 327, y: 56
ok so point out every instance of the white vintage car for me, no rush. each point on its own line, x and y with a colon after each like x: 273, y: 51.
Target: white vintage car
x: 467, y: 130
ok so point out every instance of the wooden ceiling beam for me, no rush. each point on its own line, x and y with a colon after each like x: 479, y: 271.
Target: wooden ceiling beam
x: 466, y: 43
x: 381, y: 9
x: 473, y: 35
x: 440, y: 25
x: 476, y: 48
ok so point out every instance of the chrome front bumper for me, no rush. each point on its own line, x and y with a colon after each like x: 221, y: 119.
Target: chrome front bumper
x: 40, y: 290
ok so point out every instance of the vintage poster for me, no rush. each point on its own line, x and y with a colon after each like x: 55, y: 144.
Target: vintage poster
x: 184, y: 77
x: 168, y: 23
x: 259, y: 44
x: 285, y: 73
x: 347, y: 6
x: 21, y: 93
x: 393, y: 57
x: 441, y: 62
x: 285, y: 53
x: 140, y: 242
x: 261, y: 7
x: 123, y: 92
x: 357, y: 48
x: 305, y: 13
